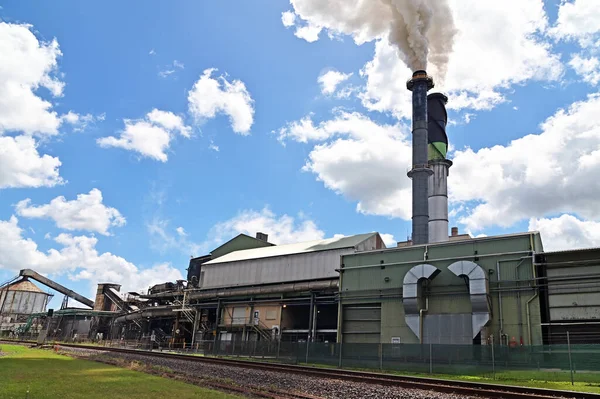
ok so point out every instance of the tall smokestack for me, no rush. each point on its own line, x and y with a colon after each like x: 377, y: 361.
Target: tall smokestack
x: 420, y: 172
x: 438, y: 181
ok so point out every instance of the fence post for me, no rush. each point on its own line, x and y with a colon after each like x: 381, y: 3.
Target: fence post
x: 278, y: 347
x: 307, y: 349
x: 430, y: 359
x: 380, y: 356
x: 493, y: 360
x: 340, y: 359
x: 570, y: 361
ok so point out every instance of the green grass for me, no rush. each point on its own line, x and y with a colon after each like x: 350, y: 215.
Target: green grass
x: 48, y: 375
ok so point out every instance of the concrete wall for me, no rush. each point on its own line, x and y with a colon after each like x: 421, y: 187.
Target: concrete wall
x: 378, y: 277
x: 269, y: 315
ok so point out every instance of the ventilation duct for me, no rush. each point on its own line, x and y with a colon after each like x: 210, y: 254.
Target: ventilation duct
x: 478, y: 291
x: 410, y: 291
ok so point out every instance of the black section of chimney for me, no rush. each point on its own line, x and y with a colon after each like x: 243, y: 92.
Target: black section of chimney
x: 420, y: 172
x: 262, y: 236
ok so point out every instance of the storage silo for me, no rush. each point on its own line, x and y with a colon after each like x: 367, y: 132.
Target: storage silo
x: 18, y: 301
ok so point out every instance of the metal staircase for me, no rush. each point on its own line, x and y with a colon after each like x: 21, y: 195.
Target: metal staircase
x: 185, y: 309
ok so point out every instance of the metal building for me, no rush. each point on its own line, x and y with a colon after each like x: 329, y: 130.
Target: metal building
x: 18, y: 301
x: 457, y: 292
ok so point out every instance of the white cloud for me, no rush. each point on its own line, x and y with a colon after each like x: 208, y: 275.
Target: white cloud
x: 27, y: 67
x: 331, y: 79
x: 481, y: 67
x: 76, y: 257
x: 87, y: 212
x: 389, y: 240
x: 310, y: 33
x: 536, y: 175
x: 81, y: 122
x: 213, y: 146
x: 288, y: 18
x: 307, y: 31
x: 578, y: 19
x: 211, y: 96
x: 21, y: 165
x: 152, y: 52
x: 587, y: 68
x: 566, y: 232
x: 282, y: 229
x: 171, y: 69
x: 359, y: 159
x: 164, y: 238
x: 150, y: 137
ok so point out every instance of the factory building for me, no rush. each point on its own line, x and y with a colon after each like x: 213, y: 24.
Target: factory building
x: 266, y: 292
x: 18, y: 301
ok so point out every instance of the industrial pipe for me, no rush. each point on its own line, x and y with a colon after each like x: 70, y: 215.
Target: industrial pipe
x: 535, y: 295
x: 147, y: 312
x: 421, y: 311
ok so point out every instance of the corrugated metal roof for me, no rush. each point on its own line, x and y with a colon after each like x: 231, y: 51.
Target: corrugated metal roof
x: 562, y: 251
x: 290, y: 249
x: 24, y: 285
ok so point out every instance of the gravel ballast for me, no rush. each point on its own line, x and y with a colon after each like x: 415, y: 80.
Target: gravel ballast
x: 244, y: 376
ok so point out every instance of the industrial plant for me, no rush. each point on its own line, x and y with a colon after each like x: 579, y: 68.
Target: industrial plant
x: 438, y: 287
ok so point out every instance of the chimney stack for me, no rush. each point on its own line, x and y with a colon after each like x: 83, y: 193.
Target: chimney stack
x: 262, y: 236
x: 438, y: 181
x: 420, y: 172
x: 454, y: 231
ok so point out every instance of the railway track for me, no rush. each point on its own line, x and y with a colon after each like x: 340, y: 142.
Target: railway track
x: 422, y: 383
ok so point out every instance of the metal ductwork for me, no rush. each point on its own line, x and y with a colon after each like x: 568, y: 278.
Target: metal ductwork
x: 410, y: 292
x: 438, y: 181
x: 420, y: 171
x: 237, y: 291
x: 478, y: 291
x: 147, y: 312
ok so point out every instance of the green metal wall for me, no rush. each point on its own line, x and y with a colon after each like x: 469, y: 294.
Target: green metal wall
x: 378, y: 276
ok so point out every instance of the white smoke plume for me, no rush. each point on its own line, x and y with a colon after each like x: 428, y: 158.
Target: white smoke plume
x: 422, y: 30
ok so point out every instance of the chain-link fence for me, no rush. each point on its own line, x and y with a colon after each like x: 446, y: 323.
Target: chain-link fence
x: 519, y: 363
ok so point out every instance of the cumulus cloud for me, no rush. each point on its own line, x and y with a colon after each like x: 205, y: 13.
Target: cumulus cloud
x: 211, y: 96
x: 21, y: 165
x: 481, y: 67
x: 536, y: 175
x: 587, y: 68
x: 86, y: 212
x: 282, y: 229
x: 150, y: 137
x: 306, y: 31
x: 566, y: 232
x: 389, y: 240
x: 360, y: 159
x: 29, y: 69
x: 578, y: 19
x: 81, y: 122
x: 330, y: 80
x: 76, y: 257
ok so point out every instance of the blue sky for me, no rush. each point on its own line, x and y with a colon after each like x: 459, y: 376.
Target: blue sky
x: 299, y: 131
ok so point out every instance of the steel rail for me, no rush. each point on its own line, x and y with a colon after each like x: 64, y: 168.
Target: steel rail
x: 430, y: 384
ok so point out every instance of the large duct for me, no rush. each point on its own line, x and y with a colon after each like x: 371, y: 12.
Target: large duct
x: 420, y: 172
x: 479, y: 291
x: 438, y: 181
x: 410, y: 300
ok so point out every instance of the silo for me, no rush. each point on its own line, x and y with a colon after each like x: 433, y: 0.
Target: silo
x: 18, y: 301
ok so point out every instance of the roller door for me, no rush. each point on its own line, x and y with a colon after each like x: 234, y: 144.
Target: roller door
x: 361, y: 323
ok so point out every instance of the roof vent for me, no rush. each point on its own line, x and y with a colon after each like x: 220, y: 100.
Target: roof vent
x: 262, y: 236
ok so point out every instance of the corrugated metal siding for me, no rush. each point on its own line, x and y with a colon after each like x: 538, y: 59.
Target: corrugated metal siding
x: 568, y: 301
x: 22, y: 302
x: 361, y: 323
x: 308, y: 266
x: 448, y: 329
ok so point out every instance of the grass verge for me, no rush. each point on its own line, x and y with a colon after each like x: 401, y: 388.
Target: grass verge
x: 48, y: 375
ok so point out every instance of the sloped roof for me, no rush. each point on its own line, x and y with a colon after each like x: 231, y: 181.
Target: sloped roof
x: 25, y: 285
x: 290, y: 249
